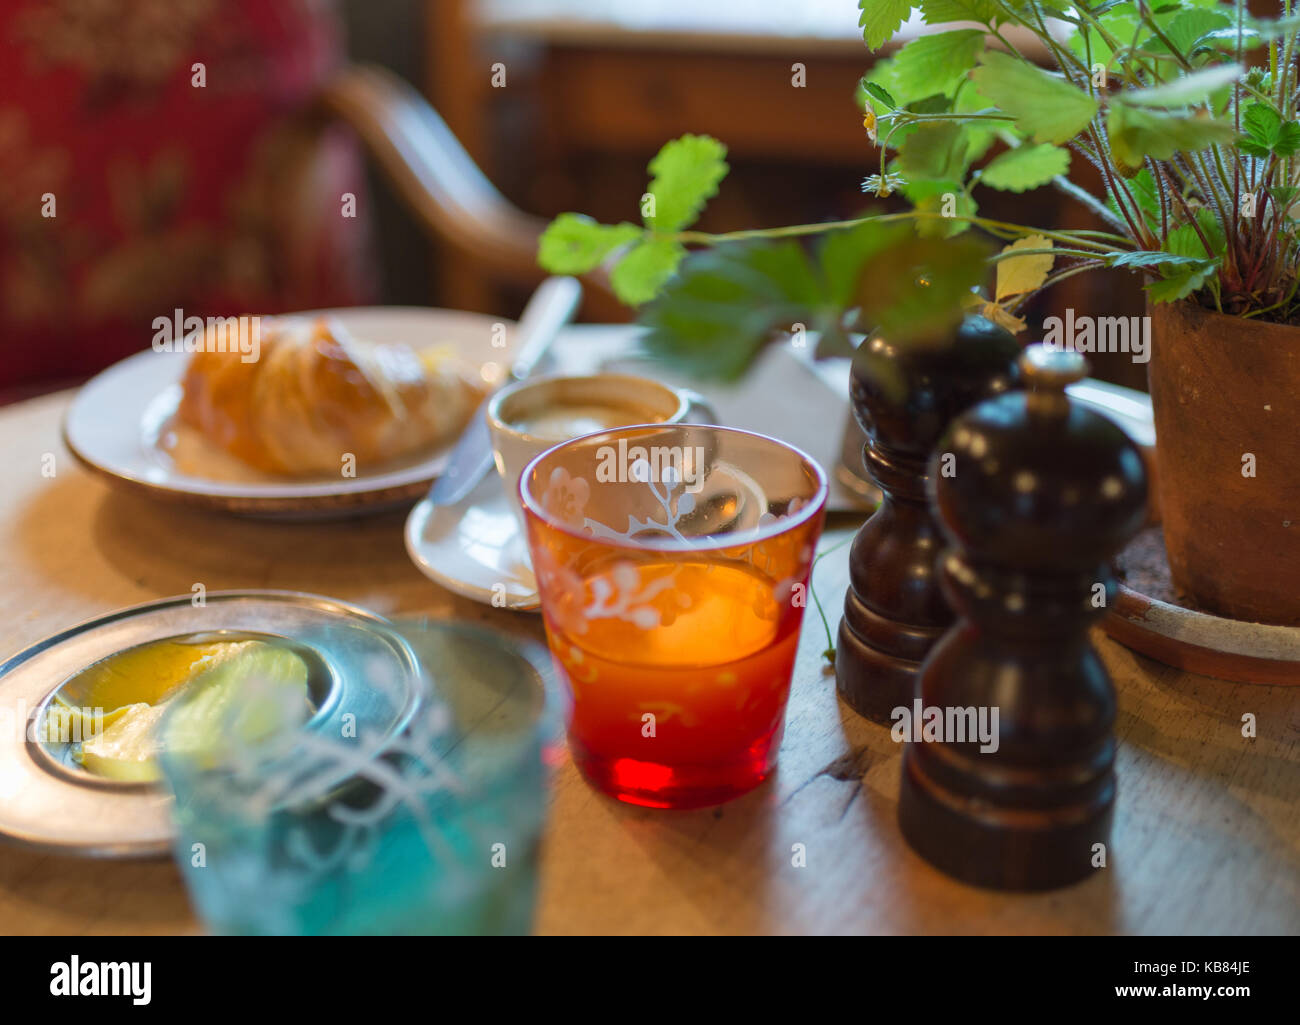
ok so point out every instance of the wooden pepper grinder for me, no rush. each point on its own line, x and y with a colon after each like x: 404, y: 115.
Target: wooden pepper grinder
x: 1042, y: 494
x: 905, y: 396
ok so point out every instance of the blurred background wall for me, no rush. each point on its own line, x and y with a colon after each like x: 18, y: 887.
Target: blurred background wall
x: 392, y: 33
x: 225, y: 198
x: 594, y: 87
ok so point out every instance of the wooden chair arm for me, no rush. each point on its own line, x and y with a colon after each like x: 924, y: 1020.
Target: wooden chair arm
x: 431, y: 171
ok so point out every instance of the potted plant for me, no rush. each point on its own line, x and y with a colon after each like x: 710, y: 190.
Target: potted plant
x: 1187, y: 109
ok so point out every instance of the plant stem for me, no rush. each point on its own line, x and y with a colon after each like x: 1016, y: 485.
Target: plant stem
x: 829, y: 653
x: 1144, y: 11
x: 907, y: 117
x: 799, y: 230
x: 1087, y: 199
x: 1011, y: 254
x: 1050, y: 42
x: 1205, y: 182
x: 1196, y: 225
x: 1140, y: 234
x: 1115, y: 45
x: 1286, y: 300
x: 1162, y: 186
x: 1230, y: 223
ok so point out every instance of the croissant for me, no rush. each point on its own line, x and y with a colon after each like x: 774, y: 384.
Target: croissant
x: 315, y: 395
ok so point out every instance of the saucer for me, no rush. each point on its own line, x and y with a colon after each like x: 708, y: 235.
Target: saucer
x: 475, y: 547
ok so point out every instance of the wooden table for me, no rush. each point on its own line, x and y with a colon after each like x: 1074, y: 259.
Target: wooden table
x: 1206, y: 839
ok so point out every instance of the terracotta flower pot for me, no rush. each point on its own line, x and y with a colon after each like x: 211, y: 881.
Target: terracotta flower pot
x: 1226, y: 396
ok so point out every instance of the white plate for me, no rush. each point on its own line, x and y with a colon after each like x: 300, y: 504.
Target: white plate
x: 475, y: 547
x: 114, y: 425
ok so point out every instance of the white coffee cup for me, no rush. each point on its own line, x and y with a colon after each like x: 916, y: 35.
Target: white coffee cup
x: 528, y: 417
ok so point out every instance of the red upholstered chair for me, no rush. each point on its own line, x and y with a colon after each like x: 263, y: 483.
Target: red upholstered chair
x: 157, y: 154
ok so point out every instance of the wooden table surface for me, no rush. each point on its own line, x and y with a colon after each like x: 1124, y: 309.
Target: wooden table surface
x: 1206, y: 838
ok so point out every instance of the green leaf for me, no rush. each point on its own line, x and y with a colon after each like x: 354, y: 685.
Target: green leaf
x: 980, y: 134
x: 686, y: 172
x: 1187, y: 30
x: 575, y: 244
x: 1184, y: 240
x: 935, y: 149
x: 1183, y: 243
x: 1267, y: 133
x: 1046, y: 108
x: 1145, y: 192
x: 929, y: 105
x: 1182, y: 283
x: 884, y: 74
x: 1151, y: 258
x: 1136, y: 133
x: 1025, y: 168
x: 940, y: 12
x: 879, y: 92
x: 841, y: 257
x: 948, y: 198
x: 1263, y: 30
x: 1192, y: 88
x: 924, y: 188
x: 1088, y: 44
x: 937, y: 62
x: 1284, y: 196
x: 643, y: 271
x: 1225, y: 39
x: 913, y: 287
x: 880, y: 19
x: 724, y: 305
x: 1023, y: 271
x: 1184, y: 23
x: 881, y: 75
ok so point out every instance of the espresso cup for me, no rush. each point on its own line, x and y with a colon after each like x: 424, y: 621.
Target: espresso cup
x: 528, y: 417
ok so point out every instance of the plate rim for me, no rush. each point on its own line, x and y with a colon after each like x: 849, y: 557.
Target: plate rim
x: 253, y: 499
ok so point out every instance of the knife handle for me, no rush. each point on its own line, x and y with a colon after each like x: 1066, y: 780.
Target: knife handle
x: 549, y: 309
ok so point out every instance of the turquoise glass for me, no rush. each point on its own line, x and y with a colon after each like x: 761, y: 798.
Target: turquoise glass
x: 429, y: 827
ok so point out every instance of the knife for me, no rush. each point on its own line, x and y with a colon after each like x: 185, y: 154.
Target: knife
x: 549, y: 309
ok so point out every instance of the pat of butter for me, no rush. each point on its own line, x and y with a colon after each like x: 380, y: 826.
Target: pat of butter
x: 127, y: 750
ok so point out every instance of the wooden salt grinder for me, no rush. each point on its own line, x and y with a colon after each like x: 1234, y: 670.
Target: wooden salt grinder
x: 905, y: 395
x: 1044, y: 492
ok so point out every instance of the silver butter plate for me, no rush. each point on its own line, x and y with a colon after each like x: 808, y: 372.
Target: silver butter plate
x: 48, y: 803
